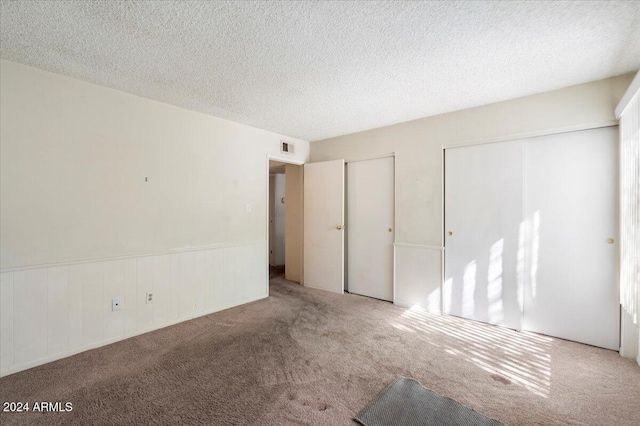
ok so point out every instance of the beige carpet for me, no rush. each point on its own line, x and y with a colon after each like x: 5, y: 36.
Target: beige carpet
x: 304, y: 356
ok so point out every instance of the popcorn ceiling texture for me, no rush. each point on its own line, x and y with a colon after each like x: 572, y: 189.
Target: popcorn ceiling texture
x: 319, y: 69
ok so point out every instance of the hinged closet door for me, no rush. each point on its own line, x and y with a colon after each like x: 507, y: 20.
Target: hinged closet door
x: 370, y: 223
x: 324, y: 225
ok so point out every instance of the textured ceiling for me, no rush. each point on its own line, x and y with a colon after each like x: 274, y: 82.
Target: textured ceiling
x: 318, y: 69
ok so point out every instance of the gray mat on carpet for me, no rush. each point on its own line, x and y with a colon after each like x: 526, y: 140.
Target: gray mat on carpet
x: 405, y: 402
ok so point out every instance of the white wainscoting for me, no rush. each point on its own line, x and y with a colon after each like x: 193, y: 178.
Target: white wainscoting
x: 417, y: 277
x: 51, y: 312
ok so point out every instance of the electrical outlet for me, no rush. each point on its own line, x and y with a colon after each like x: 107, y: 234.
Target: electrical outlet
x: 149, y: 298
x: 116, y: 304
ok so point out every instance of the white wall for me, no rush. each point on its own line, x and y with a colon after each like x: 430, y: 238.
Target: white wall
x: 418, y: 165
x: 79, y: 225
x: 74, y: 161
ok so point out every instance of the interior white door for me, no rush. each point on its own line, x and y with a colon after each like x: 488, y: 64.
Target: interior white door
x: 570, y: 198
x: 370, y: 227
x: 324, y: 225
x: 483, y: 215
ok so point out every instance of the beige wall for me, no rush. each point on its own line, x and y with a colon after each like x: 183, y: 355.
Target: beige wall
x: 418, y: 164
x: 74, y: 158
x: 418, y: 144
x: 293, y: 222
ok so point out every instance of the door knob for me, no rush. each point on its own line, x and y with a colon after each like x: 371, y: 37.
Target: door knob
x: 609, y: 240
x: 390, y: 230
x: 449, y: 233
x: 339, y: 227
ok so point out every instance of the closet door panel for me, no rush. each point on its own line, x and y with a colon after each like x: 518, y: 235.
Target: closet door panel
x: 483, y: 220
x: 370, y: 223
x: 570, y: 221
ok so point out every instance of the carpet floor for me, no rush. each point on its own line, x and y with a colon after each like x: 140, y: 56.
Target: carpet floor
x: 304, y: 356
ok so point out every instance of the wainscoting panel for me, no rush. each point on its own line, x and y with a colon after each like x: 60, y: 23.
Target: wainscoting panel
x: 418, y: 276
x: 6, y: 321
x: 51, y: 312
x: 30, y: 315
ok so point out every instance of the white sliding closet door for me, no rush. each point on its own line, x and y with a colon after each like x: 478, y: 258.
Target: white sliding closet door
x: 533, y: 226
x: 370, y: 222
x: 571, y: 220
x: 483, y: 213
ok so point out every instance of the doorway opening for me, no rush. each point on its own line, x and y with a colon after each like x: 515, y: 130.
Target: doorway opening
x: 284, y: 220
x: 277, y: 178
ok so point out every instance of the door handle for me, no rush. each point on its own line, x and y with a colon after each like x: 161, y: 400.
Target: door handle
x: 609, y: 240
x: 449, y: 233
x: 340, y: 227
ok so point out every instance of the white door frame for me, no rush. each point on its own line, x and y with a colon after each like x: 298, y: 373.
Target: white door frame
x: 281, y: 159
